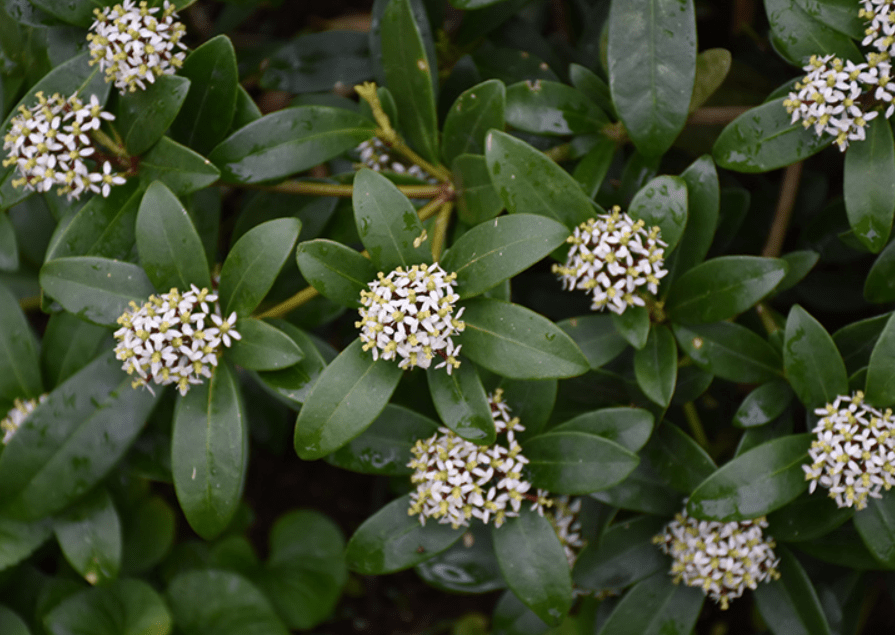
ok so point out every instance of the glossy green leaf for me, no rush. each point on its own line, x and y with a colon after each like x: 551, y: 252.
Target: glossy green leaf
x: 869, y: 186
x: 336, y: 271
x: 289, y: 141
x: 754, y: 483
x: 477, y: 200
x: 799, y: 264
x: 387, y: 223
x: 721, y: 288
x: 655, y: 366
x: 475, y: 111
x: 712, y: 67
x: 209, y: 452
x: 181, y: 169
x: 842, y: 547
x: 763, y: 405
x: 96, y: 289
x: 68, y: 345
x: 625, y: 554
x: 534, y: 565
x: 876, y: 524
x: 880, y: 389
x: 596, y: 336
x: 348, y: 396
x: 254, y: 263
x: 145, y: 115
x: 652, y: 82
x: 461, y: 403
x: 148, y: 534
x: 678, y: 460
x: 763, y: 138
x: 19, y: 539
x: 9, y: 249
x: 72, y: 439
x: 573, y: 462
x: 77, y: 13
x: 171, y: 251
x: 633, y: 325
x: 19, y: 367
x: 123, y: 607
x: 408, y: 75
x: 294, y: 383
x: 530, y: 183
x: 789, y: 604
x: 391, y: 540
x: 491, y: 252
x: 12, y: 624
x: 656, y: 606
x: 879, y: 287
x: 593, y: 86
x: 207, y: 111
x: 838, y: 14
x: 704, y: 202
x: 318, y: 62
x: 518, y: 343
x: 663, y: 202
x: 552, y: 108
x: 465, y: 568
x: 209, y: 602
x: 814, y: 368
x: 730, y: 351
x: 643, y: 491
x: 628, y: 427
x: 89, y: 534
x: 797, y: 36
x: 593, y: 166
x: 808, y: 517
x: 263, y: 347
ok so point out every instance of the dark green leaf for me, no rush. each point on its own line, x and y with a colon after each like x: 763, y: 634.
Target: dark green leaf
x: 12, y: 624
x: 145, y: 115
x: 475, y: 111
x: 90, y: 537
x: 869, y: 186
x: 628, y: 427
x: 530, y: 400
x: 704, y: 200
x: 678, y: 459
x: 808, y: 517
x: 879, y: 287
x: 593, y: 86
x: 789, y: 605
x: 461, y: 403
x: 814, y: 368
x: 797, y: 36
x: 68, y: 345
x: 880, y: 390
x: 655, y: 366
x: 477, y: 200
x: 317, y: 62
x: 730, y: 351
x: 633, y: 325
x: 465, y: 568
x: 843, y: 547
x: 19, y: 367
x: 712, y: 67
x: 596, y: 336
x: 643, y: 491
x: 656, y: 606
x: 123, y: 607
x: 552, y: 108
x: 799, y: 264
x: 148, y: 534
x: 663, y: 202
x: 763, y: 405
x: 876, y: 524
x: 336, y: 271
x: 593, y: 166
x: 9, y: 249
x: 295, y: 382
x: 624, y: 555
x: 18, y: 539
x: 572, y: 462
x: 263, y: 347
x: 838, y: 14
x: 178, y: 167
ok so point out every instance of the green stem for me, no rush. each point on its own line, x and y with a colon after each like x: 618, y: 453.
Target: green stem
x: 30, y: 304
x: 87, y: 81
x: 109, y: 143
x: 439, y: 172
x: 441, y: 225
x: 287, y: 306
x: 314, y: 188
x: 695, y: 424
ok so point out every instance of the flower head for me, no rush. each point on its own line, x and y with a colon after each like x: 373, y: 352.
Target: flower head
x: 50, y: 146
x: 612, y: 256
x: 854, y: 452
x: 563, y: 515
x: 880, y: 32
x: 133, y: 45
x: 174, y: 338
x: 720, y: 558
x: 410, y: 315
x: 376, y: 156
x: 17, y: 416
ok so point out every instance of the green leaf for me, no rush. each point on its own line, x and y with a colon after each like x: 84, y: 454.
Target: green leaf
x: 593, y: 86
x: 461, y: 403
x: 652, y: 82
x: 572, y: 462
x: 789, y: 605
x: 655, y: 366
x: 72, y: 439
x: 12, y: 624
x: 724, y: 287
x: 755, y: 483
x: 145, y: 115
x: 171, y: 251
x: 763, y: 138
x: 263, y: 347
x: 678, y: 460
x: 209, y: 453
x: 869, y: 186
x: 465, y: 569
x: 491, y: 252
x: 593, y: 166
x: 123, y: 607
x: 19, y: 367
x: 799, y: 264
x: 643, y: 491
x: 95, y: 289
x: 596, y: 336
x: 208, y: 109
x: 763, y: 405
x: 530, y: 183
x: 178, y: 167
x: 876, y: 524
x: 18, y: 540
x: 880, y: 390
x: 633, y: 325
x: 712, y: 67
x: 838, y: 14
x: 318, y: 62
x: 208, y: 602
x: 336, y: 271
x: 9, y: 249
x: 477, y: 200
x: 476, y: 110
x: 545, y: 107
x: 253, y: 264
x: 518, y: 343
x: 656, y: 606
x: 387, y: 223
x: 797, y: 36
x: 704, y: 202
x: 148, y: 534
x: 534, y: 565
x: 808, y: 517
x: 289, y: 141
x: 68, y: 345
x: 294, y: 383
x: 814, y: 368
x: 730, y: 351
x: 409, y: 76
x: 530, y: 400
x: 663, y: 202
x: 879, y: 287
x: 348, y: 396
x: 628, y: 427
x: 391, y: 540
x: 90, y: 537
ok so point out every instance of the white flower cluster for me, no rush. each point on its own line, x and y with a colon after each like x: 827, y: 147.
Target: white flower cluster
x: 854, y: 453
x: 840, y: 98
x: 563, y: 515
x: 457, y: 480
x: 880, y: 33
x: 720, y: 558
x: 174, y: 338
x: 133, y: 46
x: 612, y: 256
x: 17, y: 416
x: 410, y: 314
x: 50, y: 145
x: 375, y: 155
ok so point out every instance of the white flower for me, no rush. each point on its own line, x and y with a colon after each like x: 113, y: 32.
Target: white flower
x: 170, y: 338
x: 49, y: 145
x: 853, y: 452
x: 720, y: 558
x: 612, y: 256
x: 880, y: 32
x: 375, y: 155
x: 17, y: 416
x: 134, y: 46
x: 410, y: 315
x: 563, y: 515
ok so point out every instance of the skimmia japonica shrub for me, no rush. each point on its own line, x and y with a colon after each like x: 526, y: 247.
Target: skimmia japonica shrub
x: 596, y: 305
